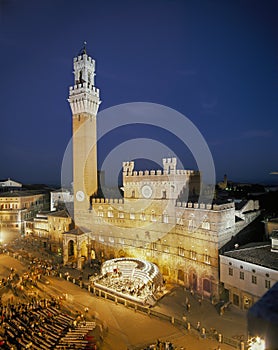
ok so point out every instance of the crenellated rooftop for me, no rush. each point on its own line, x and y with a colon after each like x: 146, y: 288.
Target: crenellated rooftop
x: 161, y: 172
x: 204, y: 206
x: 108, y: 200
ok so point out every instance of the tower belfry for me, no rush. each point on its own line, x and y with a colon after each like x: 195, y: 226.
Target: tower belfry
x: 84, y: 102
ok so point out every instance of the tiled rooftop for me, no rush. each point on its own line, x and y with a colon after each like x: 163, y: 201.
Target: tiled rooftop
x: 259, y: 255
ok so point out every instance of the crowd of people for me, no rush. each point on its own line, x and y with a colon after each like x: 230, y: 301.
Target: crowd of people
x: 41, y: 325
x: 31, y: 320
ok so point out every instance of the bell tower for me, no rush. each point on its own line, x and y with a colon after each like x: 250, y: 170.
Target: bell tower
x: 84, y: 102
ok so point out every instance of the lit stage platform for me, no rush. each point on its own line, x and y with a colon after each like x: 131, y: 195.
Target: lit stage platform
x: 130, y: 278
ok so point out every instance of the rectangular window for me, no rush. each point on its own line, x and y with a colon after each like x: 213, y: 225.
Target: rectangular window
x: 254, y: 279
x: 181, y: 251
x: 241, y: 275
x: 193, y: 255
x: 206, y: 258
x: 231, y: 272
x: 267, y: 284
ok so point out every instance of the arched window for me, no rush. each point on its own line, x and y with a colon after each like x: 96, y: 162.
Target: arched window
x: 191, y: 222
x: 100, y: 211
x: 165, y: 218
x: 142, y: 216
x: 71, y: 248
x: 179, y: 219
x: 205, y: 223
x: 153, y: 216
x: 110, y: 212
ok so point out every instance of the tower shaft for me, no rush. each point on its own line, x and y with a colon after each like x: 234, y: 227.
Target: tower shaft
x: 84, y: 102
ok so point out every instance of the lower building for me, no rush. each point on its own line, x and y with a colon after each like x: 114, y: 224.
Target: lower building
x: 49, y: 227
x: 249, y: 272
x: 18, y: 206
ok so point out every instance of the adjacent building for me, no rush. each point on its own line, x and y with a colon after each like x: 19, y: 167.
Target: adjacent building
x: 249, y: 272
x: 49, y: 227
x: 18, y: 206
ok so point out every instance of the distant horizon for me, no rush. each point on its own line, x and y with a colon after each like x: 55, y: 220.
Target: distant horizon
x: 57, y: 183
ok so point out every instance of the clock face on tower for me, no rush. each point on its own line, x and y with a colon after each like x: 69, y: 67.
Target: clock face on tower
x: 80, y: 196
x: 146, y: 191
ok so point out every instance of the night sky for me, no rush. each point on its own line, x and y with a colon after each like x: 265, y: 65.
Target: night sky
x: 213, y: 61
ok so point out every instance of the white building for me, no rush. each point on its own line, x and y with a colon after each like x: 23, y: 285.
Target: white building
x: 248, y: 273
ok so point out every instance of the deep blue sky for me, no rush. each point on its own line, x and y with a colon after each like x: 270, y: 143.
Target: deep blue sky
x: 214, y: 61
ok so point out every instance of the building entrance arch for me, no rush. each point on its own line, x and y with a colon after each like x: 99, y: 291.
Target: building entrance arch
x: 71, y: 254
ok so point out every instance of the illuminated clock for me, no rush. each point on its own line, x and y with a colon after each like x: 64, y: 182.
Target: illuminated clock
x: 80, y: 196
x: 146, y: 191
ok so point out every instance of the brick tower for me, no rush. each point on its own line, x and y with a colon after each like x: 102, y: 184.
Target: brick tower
x: 84, y: 102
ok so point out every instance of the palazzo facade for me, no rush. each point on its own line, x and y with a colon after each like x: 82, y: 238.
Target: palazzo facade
x: 151, y: 221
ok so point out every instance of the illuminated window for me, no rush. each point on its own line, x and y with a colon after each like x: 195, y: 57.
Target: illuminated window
x: 165, y: 218
x: 121, y: 213
x: 153, y: 217
x: 206, y: 259
x: 100, y: 212
x: 191, y: 222
x: 110, y: 212
x: 241, y: 275
x: 254, y: 279
x: 180, y: 251
x: 206, y: 225
x: 143, y: 216
x: 193, y: 255
x: 179, y: 219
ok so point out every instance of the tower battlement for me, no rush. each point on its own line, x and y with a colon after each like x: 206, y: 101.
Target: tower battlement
x: 128, y: 168
x: 169, y: 165
x: 84, y: 87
